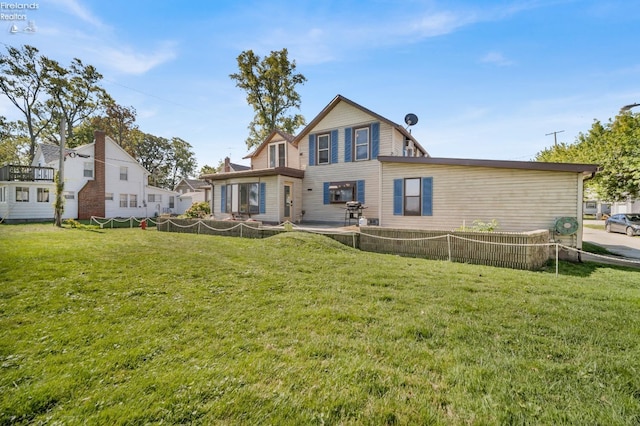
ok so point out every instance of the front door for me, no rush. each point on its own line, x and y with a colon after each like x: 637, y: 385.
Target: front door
x: 288, y: 202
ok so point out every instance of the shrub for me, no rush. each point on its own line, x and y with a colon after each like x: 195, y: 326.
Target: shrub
x: 198, y: 210
x: 479, y: 226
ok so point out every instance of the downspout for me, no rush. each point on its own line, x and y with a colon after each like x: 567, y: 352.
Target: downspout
x: 380, y: 180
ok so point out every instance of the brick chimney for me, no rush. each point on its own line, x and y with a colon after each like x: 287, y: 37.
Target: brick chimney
x: 227, y: 165
x: 91, y: 196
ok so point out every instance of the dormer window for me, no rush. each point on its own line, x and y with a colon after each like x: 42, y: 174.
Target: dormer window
x: 277, y: 155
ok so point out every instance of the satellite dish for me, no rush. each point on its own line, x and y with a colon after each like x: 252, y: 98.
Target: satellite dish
x: 410, y: 119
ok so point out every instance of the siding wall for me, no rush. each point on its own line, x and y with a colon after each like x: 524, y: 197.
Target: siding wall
x: 340, y: 118
x: 261, y: 161
x: 520, y: 200
x: 313, y: 191
x: 274, y: 198
x: 33, y: 210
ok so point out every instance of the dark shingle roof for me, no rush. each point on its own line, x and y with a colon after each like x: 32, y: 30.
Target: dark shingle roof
x: 51, y: 152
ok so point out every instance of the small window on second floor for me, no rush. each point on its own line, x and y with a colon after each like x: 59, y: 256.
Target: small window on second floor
x: 362, y: 143
x: 88, y: 169
x: 323, y: 149
x: 277, y: 155
x: 124, y: 173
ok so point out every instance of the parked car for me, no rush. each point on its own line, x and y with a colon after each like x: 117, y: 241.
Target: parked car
x: 626, y: 223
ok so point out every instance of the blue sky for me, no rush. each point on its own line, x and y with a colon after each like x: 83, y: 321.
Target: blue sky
x: 487, y: 79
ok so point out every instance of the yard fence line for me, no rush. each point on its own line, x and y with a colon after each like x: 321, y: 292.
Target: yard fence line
x: 355, y: 239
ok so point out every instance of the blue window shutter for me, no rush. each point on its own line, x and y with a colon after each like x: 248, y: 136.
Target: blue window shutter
x: 360, y: 191
x: 263, y: 198
x: 223, y: 198
x: 427, y: 196
x: 312, y: 150
x: 398, y: 186
x: 347, y: 144
x: 334, y: 146
x: 325, y: 192
x: 375, y: 140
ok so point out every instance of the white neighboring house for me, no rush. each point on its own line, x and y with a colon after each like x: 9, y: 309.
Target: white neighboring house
x: 191, y: 191
x: 101, y: 179
x: 629, y: 206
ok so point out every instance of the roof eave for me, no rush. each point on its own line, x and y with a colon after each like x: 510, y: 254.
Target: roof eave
x: 283, y: 171
x: 504, y: 164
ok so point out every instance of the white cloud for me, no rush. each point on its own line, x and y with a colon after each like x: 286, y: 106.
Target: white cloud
x: 79, y: 11
x: 496, y: 58
x: 440, y: 23
x: 127, y: 61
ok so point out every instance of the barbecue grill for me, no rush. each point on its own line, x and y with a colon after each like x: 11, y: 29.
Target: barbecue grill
x: 353, y: 211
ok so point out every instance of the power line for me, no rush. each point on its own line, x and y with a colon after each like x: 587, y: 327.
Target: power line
x: 147, y: 94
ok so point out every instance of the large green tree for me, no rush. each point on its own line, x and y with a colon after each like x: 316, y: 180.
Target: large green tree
x: 24, y: 76
x: 14, y: 143
x: 75, y: 95
x: 168, y: 160
x: 270, y: 84
x: 119, y: 122
x: 615, y: 146
x: 47, y: 93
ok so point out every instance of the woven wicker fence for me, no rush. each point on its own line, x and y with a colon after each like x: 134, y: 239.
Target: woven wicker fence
x: 527, y: 250
x: 247, y: 229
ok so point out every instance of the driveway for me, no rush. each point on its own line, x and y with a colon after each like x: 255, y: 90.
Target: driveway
x: 620, y: 244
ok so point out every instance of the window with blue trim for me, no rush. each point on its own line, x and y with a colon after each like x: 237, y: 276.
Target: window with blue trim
x: 413, y: 196
x: 323, y: 149
x: 361, y: 142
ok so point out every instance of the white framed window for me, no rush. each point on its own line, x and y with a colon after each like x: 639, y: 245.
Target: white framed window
x: 154, y: 198
x: 243, y: 198
x: 124, y: 173
x: 88, y: 169
x: 22, y: 194
x: 133, y: 200
x: 43, y: 195
x: 412, y: 197
x: 3, y: 194
x: 108, y: 196
x: 323, y: 149
x: 341, y: 192
x: 277, y: 155
x: 124, y: 200
x: 361, y: 142
x: 172, y: 201
x: 69, y: 195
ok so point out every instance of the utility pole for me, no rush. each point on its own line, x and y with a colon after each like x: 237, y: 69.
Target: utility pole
x: 59, y: 205
x: 555, y: 136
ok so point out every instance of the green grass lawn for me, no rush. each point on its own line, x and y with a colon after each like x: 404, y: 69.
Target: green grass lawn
x: 132, y: 327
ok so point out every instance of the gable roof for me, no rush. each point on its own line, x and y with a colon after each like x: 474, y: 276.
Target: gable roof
x: 51, y: 152
x: 286, y: 136
x: 193, y: 183
x: 340, y: 98
x: 238, y: 167
x: 501, y: 164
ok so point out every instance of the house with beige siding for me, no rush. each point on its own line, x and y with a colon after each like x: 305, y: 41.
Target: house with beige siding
x: 350, y: 154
